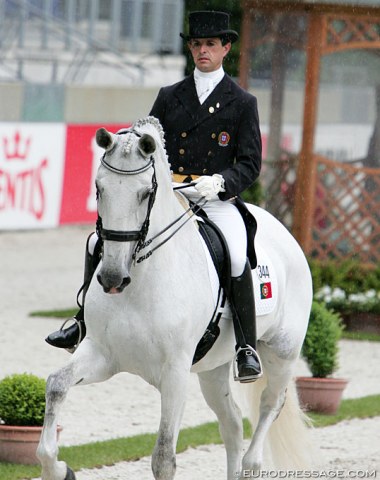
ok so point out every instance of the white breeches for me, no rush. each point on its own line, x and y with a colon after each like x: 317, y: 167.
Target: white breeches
x: 227, y: 217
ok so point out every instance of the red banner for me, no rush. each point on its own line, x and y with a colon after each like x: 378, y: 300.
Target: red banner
x: 82, y: 161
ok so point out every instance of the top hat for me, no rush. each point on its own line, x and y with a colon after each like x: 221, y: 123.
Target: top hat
x: 210, y: 24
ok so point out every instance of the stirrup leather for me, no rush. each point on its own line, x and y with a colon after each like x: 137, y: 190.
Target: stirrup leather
x: 250, y: 378
x: 78, y: 322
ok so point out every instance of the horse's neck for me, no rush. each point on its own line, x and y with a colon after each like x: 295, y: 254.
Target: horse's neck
x: 167, y: 208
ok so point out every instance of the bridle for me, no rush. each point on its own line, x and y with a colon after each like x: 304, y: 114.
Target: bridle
x: 129, y: 235
x: 140, y: 235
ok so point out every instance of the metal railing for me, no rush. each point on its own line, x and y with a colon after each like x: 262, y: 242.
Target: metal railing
x: 74, y: 34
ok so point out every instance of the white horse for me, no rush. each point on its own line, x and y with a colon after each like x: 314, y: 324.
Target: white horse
x: 152, y: 327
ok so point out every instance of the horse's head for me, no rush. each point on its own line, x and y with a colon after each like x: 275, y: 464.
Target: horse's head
x: 126, y: 187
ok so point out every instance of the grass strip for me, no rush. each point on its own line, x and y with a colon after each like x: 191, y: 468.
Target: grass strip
x: 364, y: 407
x: 109, y: 452
x: 364, y: 336
x: 69, y: 312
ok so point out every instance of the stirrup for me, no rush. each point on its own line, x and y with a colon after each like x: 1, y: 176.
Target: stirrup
x: 250, y: 378
x: 78, y: 322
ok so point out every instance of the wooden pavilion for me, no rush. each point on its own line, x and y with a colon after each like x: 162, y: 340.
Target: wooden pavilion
x: 335, y: 210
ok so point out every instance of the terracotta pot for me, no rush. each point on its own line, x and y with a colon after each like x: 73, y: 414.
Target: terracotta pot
x: 19, y: 444
x: 321, y: 395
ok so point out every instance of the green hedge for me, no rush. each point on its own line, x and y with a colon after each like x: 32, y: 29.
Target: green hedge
x: 22, y: 400
x: 320, y: 348
x: 351, y: 276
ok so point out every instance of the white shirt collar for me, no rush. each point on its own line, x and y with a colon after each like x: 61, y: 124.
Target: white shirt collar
x: 216, y: 76
x: 205, y: 82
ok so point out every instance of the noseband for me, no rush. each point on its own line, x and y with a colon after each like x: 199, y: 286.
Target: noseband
x: 130, y: 235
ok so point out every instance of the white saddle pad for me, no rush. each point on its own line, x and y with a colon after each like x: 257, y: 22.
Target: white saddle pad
x: 265, y: 283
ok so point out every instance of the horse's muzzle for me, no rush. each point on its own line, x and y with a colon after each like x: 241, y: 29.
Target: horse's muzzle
x: 111, y: 286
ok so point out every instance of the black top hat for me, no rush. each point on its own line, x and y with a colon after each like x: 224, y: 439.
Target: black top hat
x: 210, y: 24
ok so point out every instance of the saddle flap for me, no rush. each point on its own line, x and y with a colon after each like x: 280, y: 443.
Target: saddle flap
x: 217, y: 246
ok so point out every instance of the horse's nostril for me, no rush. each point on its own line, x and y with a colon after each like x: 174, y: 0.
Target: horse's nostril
x: 98, y: 276
x: 126, y: 281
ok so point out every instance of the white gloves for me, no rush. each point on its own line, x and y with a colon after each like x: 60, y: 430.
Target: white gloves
x: 210, y: 186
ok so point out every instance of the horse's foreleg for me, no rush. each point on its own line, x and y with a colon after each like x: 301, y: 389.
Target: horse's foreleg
x: 216, y: 389
x: 86, y: 366
x: 56, y: 389
x: 172, y: 387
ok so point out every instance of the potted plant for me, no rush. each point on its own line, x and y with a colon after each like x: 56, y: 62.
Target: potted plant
x: 321, y: 393
x: 22, y: 408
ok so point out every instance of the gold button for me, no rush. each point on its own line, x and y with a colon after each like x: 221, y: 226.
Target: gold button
x: 204, y: 170
x: 181, y: 169
x: 209, y: 153
x: 211, y: 109
x: 183, y: 134
x: 181, y: 151
x: 213, y: 135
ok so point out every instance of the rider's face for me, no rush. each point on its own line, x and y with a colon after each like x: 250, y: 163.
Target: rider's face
x: 208, y: 53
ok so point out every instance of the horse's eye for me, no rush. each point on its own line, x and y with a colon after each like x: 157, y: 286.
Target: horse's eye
x: 144, y: 194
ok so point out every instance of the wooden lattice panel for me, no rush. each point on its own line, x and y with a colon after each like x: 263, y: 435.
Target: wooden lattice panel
x: 350, y: 32
x: 346, y: 221
x: 278, y: 179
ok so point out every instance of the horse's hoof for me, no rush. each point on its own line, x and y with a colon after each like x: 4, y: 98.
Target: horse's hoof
x: 70, y: 475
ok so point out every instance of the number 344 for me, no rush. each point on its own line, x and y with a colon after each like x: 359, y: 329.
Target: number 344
x: 263, y: 271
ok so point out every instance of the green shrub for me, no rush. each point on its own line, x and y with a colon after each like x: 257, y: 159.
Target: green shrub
x: 349, y: 275
x: 320, y: 348
x: 22, y: 400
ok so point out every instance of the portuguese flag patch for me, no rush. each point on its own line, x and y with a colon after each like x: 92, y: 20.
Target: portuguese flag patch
x: 265, y: 290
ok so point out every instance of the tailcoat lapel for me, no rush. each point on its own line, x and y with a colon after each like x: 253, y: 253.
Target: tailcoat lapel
x: 187, y: 95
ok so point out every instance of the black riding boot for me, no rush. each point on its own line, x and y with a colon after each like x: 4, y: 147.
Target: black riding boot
x: 71, y: 337
x: 244, y: 317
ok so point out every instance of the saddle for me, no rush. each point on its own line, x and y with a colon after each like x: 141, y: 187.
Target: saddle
x: 217, y: 246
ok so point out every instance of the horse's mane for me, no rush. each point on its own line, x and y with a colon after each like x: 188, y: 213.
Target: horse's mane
x: 152, y: 126
x: 144, y: 124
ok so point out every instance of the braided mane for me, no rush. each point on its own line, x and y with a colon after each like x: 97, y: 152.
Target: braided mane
x: 151, y: 121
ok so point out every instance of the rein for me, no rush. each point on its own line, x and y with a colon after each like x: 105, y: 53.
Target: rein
x: 194, y: 208
x: 140, y: 235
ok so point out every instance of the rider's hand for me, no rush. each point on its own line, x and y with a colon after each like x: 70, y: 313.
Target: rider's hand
x: 210, y: 186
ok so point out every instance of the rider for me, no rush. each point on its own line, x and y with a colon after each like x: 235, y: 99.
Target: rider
x: 213, y: 138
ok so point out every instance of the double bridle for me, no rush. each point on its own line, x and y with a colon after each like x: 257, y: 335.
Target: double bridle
x: 140, y: 235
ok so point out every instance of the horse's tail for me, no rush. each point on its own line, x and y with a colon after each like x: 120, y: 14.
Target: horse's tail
x: 289, y: 442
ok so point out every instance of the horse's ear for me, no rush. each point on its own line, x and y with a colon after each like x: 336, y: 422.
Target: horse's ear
x: 104, y: 138
x: 147, y: 145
